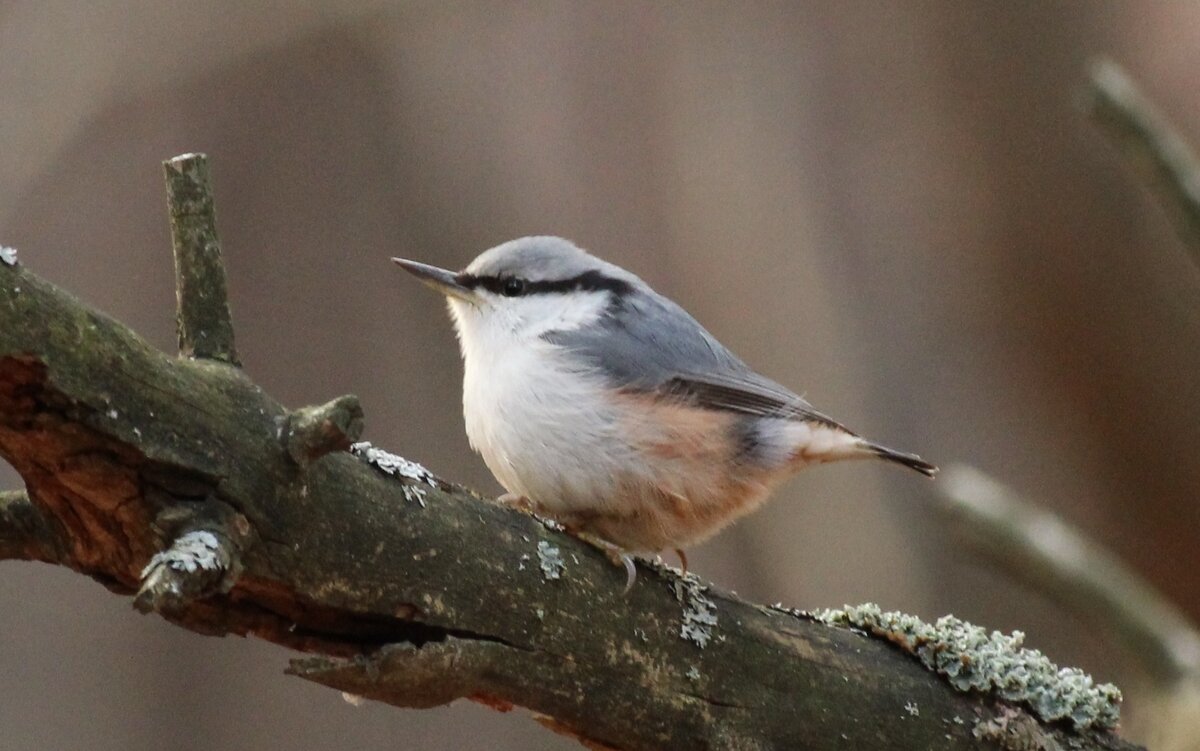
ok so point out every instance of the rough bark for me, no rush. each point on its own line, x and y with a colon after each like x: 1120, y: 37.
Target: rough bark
x: 179, y: 479
x: 204, y: 322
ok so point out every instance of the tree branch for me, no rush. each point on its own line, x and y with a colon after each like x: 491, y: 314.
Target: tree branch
x: 25, y: 534
x: 203, y: 559
x: 175, y: 477
x: 1151, y: 144
x: 204, y: 322
x: 1041, y: 549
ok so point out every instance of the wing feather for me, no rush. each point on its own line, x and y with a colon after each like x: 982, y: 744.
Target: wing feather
x: 647, y: 343
x: 759, y: 397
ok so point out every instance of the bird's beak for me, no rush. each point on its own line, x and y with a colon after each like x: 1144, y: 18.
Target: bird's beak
x: 438, y: 279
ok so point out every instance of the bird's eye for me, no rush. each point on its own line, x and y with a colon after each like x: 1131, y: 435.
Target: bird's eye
x: 513, y: 287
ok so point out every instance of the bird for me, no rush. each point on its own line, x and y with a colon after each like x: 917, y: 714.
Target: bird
x: 604, y: 405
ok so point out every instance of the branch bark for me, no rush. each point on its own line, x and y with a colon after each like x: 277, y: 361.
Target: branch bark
x: 25, y: 534
x: 204, y: 321
x: 178, y: 477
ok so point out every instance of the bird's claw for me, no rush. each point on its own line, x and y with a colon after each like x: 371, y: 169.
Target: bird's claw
x: 621, y: 558
x: 683, y: 562
x: 614, y: 553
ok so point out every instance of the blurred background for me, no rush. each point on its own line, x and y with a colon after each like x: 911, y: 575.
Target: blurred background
x: 899, y: 210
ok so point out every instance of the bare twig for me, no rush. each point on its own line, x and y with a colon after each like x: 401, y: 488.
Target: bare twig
x: 204, y: 323
x: 1050, y: 555
x: 1151, y: 144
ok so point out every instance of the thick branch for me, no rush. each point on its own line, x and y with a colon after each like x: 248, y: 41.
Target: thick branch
x: 1040, y: 548
x: 204, y: 323
x: 1151, y: 144
x: 412, y: 590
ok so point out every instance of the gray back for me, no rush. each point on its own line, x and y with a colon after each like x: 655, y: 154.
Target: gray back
x: 644, y: 341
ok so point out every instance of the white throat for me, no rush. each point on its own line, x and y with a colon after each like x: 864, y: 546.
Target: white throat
x: 522, y: 393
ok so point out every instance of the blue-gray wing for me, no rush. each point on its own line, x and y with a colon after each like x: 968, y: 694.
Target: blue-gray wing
x: 647, y: 343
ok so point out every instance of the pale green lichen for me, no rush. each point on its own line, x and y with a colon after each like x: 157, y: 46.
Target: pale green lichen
x: 699, y: 616
x: 550, y: 559
x: 971, y: 659
x: 414, y: 494
x: 194, y: 551
x: 394, y: 465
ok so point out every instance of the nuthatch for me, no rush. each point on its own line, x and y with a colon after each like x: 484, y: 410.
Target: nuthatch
x: 600, y: 403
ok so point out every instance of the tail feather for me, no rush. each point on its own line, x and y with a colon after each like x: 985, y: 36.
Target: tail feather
x: 912, y: 461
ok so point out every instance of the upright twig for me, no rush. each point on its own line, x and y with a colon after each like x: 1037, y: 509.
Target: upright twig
x: 204, y: 323
x: 1151, y: 144
x: 1055, y: 558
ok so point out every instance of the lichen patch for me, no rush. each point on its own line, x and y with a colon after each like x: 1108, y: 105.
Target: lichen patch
x: 414, y: 494
x: 191, y: 552
x: 550, y: 559
x: 396, y: 466
x: 971, y: 659
x: 699, y: 616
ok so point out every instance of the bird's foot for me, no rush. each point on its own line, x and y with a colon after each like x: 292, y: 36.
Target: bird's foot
x: 682, y: 560
x: 518, y: 502
x: 615, y: 553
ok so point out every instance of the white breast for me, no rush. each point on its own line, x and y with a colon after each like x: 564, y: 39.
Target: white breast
x: 544, y: 428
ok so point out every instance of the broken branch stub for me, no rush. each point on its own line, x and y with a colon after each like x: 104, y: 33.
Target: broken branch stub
x: 204, y: 557
x: 313, y: 432
x: 204, y: 323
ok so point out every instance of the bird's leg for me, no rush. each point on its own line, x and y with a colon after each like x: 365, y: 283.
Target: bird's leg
x: 614, y: 553
x: 518, y: 502
x: 682, y: 559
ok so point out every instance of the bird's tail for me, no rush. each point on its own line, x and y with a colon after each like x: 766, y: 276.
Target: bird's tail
x: 912, y: 461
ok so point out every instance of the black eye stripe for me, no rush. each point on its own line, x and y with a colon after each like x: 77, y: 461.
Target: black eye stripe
x: 591, y: 281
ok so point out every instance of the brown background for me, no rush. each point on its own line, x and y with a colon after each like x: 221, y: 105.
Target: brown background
x: 895, y: 208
